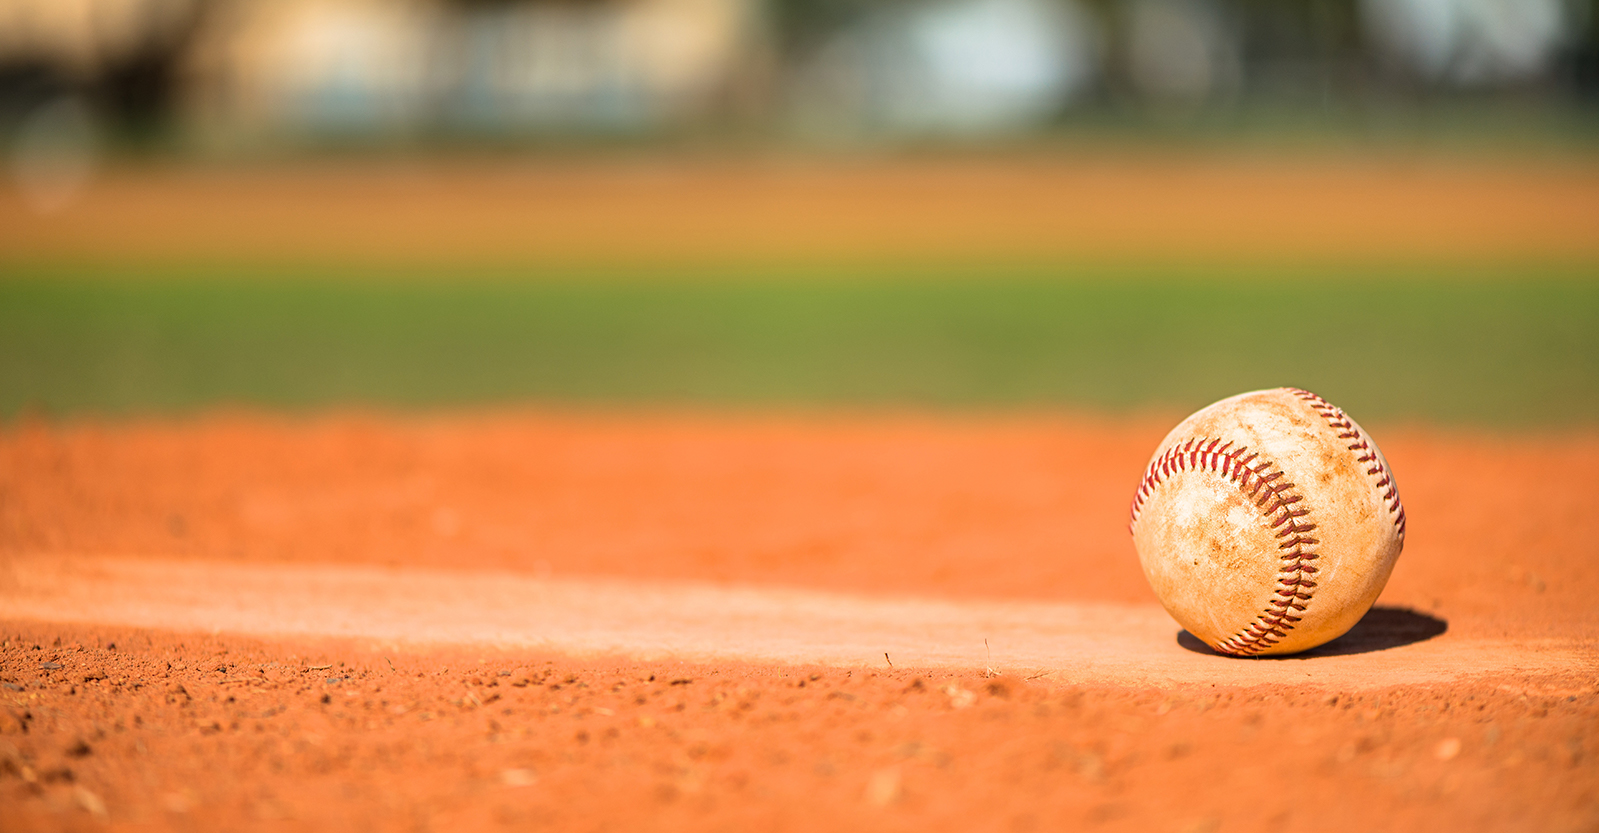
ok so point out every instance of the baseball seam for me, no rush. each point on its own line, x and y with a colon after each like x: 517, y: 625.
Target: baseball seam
x: 1286, y: 515
x: 1382, y: 478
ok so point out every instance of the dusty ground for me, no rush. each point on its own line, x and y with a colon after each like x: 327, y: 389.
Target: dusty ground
x: 1083, y: 204
x: 241, y: 621
x: 206, y: 732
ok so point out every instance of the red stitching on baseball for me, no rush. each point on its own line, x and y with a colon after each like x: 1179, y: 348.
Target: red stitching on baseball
x: 1286, y: 515
x: 1340, y: 422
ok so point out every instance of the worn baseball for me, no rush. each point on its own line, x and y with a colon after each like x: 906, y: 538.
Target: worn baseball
x: 1268, y: 522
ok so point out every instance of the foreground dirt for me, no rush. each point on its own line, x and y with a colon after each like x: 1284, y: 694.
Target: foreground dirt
x: 139, y: 729
x: 141, y: 564
x: 1085, y: 204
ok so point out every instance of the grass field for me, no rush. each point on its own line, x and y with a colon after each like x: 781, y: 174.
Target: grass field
x: 1515, y: 347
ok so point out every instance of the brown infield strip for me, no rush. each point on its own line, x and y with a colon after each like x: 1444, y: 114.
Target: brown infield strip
x: 1074, y: 205
x: 592, y: 622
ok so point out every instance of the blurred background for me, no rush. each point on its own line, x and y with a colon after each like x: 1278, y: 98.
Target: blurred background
x: 922, y: 203
x: 231, y: 74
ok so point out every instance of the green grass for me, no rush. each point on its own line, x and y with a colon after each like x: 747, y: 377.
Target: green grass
x: 1519, y: 351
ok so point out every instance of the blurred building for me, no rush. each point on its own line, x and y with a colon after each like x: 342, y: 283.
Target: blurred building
x: 258, y: 71
x: 406, y: 66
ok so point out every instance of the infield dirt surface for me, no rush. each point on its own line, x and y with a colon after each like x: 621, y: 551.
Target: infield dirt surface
x: 1094, y: 204
x: 679, y: 621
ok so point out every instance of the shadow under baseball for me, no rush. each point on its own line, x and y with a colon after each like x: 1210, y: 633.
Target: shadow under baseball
x: 1380, y: 629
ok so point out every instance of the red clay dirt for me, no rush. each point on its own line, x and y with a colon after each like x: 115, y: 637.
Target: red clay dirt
x: 245, y: 622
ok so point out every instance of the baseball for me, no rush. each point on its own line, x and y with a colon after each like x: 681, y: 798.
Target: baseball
x: 1268, y: 522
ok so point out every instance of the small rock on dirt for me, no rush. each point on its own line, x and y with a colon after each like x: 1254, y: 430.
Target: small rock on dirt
x: 90, y: 802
